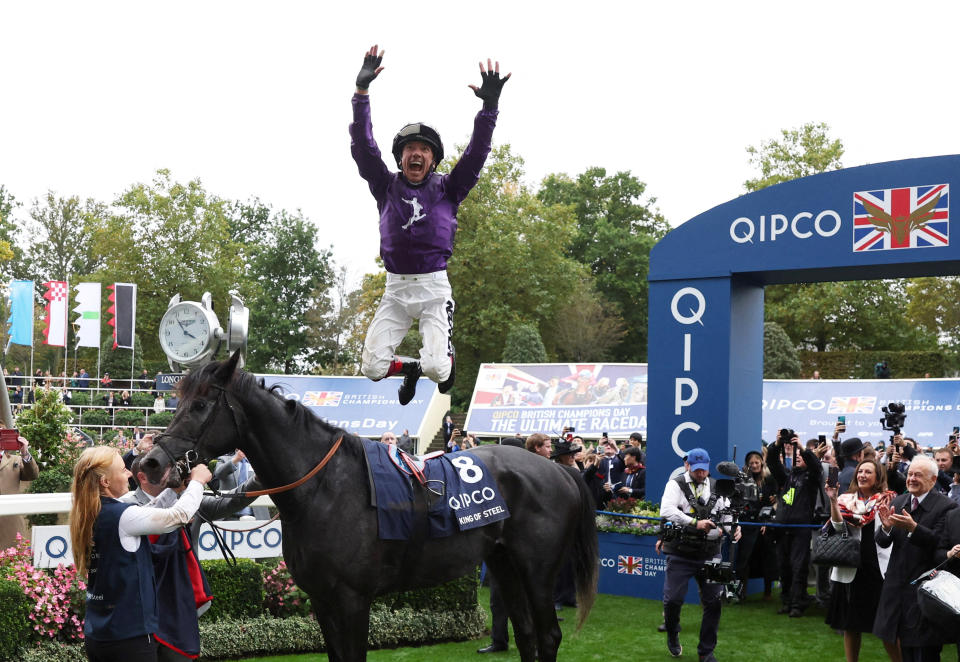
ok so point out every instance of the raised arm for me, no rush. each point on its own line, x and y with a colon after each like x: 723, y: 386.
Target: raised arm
x: 363, y: 147
x: 465, y: 174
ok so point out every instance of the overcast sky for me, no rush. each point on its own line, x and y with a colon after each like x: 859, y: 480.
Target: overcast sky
x: 254, y: 98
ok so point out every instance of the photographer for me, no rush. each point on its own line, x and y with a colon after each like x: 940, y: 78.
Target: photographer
x: 799, y: 487
x: 948, y: 477
x: 895, y: 461
x: 691, y: 509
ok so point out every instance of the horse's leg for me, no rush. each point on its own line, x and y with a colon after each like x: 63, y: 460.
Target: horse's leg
x: 539, y: 586
x: 345, y: 621
x: 515, y: 598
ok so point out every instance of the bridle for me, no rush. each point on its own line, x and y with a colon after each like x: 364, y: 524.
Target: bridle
x: 190, y: 457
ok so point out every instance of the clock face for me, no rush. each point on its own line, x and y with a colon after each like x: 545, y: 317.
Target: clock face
x: 185, y: 332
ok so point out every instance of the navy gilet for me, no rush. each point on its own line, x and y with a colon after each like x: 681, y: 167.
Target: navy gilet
x: 121, y: 589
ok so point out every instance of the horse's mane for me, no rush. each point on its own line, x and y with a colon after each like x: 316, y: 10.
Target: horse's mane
x: 244, y: 384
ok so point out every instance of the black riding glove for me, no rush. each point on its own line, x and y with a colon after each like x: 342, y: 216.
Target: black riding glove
x: 369, y: 70
x: 489, y: 89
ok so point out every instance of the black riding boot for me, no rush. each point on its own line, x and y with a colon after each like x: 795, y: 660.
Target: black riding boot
x: 411, y: 371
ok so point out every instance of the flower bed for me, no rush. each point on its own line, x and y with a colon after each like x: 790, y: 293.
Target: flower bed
x: 632, y: 525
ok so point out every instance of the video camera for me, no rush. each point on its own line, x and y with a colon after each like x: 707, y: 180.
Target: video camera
x: 893, y: 417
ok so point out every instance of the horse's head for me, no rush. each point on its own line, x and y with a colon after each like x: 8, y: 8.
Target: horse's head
x: 208, y: 423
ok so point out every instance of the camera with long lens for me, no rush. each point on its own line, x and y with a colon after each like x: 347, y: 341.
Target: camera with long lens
x: 894, y: 417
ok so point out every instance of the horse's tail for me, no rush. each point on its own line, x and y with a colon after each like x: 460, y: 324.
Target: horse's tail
x: 585, y: 555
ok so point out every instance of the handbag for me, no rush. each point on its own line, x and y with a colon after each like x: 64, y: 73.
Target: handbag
x: 835, y: 549
x: 939, y: 597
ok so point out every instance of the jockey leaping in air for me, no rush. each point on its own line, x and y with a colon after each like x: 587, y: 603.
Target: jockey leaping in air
x: 418, y: 221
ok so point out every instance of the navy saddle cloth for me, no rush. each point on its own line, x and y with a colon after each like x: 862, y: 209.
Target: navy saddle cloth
x: 468, y: 496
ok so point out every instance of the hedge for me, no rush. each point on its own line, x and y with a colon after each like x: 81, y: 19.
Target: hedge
x: 237, y: 590
x: 52, y: 480
x: 161, y: 419
x: 235, y: 638
x: 130, y: 417
x: 849, y: 364
x: 457, y: 595
x: 14, y: 625
x: 96, y: 417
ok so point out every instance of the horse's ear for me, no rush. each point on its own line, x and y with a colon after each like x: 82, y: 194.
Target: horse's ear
x: 225, y: 372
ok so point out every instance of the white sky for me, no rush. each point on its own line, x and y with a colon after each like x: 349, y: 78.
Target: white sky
x: 254, y: 97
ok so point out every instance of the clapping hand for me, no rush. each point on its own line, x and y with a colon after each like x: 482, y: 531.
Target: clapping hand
x: 491, y: 85
x: 370, y: 69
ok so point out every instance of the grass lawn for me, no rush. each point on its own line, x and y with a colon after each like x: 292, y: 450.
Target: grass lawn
x: 625, y: 630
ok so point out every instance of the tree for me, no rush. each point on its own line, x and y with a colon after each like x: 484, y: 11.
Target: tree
x: 510, y: 265
x: 61, y: 235
x: 9, y: 231
x: 616, y: 229
x: 866, y: 314
x: 329, y: 327
x: 588, y: 328
x: 932, y: 305
x: 807, y: 150
x: 45, y: 425
x: 780, y: 360
x: 523, y: 345
x: 292, y: 277
x: 168, y: 237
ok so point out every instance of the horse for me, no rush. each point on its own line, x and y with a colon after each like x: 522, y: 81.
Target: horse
x: 330, y: 531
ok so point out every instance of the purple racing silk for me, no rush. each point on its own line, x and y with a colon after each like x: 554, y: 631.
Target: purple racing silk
x: 468, y: 496
x: 417, y: 222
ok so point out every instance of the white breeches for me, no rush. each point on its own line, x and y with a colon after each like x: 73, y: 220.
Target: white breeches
x: 426, y: 297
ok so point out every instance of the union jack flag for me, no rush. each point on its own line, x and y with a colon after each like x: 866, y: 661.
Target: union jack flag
x: 629, y: 565
x: 912, y: 217
x: 322, y: 398
x: 854, y: 405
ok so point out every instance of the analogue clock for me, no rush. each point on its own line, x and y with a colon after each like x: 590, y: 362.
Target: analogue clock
x: 189, y: 332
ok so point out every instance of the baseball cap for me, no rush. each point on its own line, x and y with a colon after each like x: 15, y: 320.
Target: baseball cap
x: 698, y: 459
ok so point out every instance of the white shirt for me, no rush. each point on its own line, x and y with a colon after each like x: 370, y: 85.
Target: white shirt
x: 137, y: 521
x: 675, y: 507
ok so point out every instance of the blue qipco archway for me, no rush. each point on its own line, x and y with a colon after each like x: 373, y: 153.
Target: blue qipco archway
x: 889, y: 220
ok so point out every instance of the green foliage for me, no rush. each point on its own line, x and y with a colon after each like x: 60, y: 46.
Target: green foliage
x: 590, y: 329
x: 45, y: 425
x: 238, y: 590
x: 510, y: 264
x: 117, y: 361
x: 176, y: 237
x: 95, y: 417
x: 61, y: 238
x: 807, y: 150
x: 648, y: 526
x: 290, y: 276
x: 523, y: 345
x: 130, y: 417
x: 80, y: 398
x: 14, y: 625
x: 274, y: 636
x: 932, y: 305
x: 849, y: 315
x: 453, y: 596
x: 779, y: 354
x: 161, y: 419
x: 616, y: 228
x: 859, y: 364
x: 144, y: 400
x: 54, y: 479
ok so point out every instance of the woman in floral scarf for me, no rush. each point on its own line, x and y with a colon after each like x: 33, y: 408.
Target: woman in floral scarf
x: 856, y: 591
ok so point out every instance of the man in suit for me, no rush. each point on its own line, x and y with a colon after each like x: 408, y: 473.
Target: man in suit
x: 233, y: 470
x: 15, y: 470
x: 914, y: 524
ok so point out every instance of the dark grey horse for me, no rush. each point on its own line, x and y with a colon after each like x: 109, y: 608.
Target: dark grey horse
x: 330, y: 540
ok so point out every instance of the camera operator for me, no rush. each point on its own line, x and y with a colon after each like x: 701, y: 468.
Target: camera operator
x: 692, y: 507
x: 895, y: 460
x: 799, y: 488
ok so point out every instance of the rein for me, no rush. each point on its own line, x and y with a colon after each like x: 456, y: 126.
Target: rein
x: 290, y: 486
